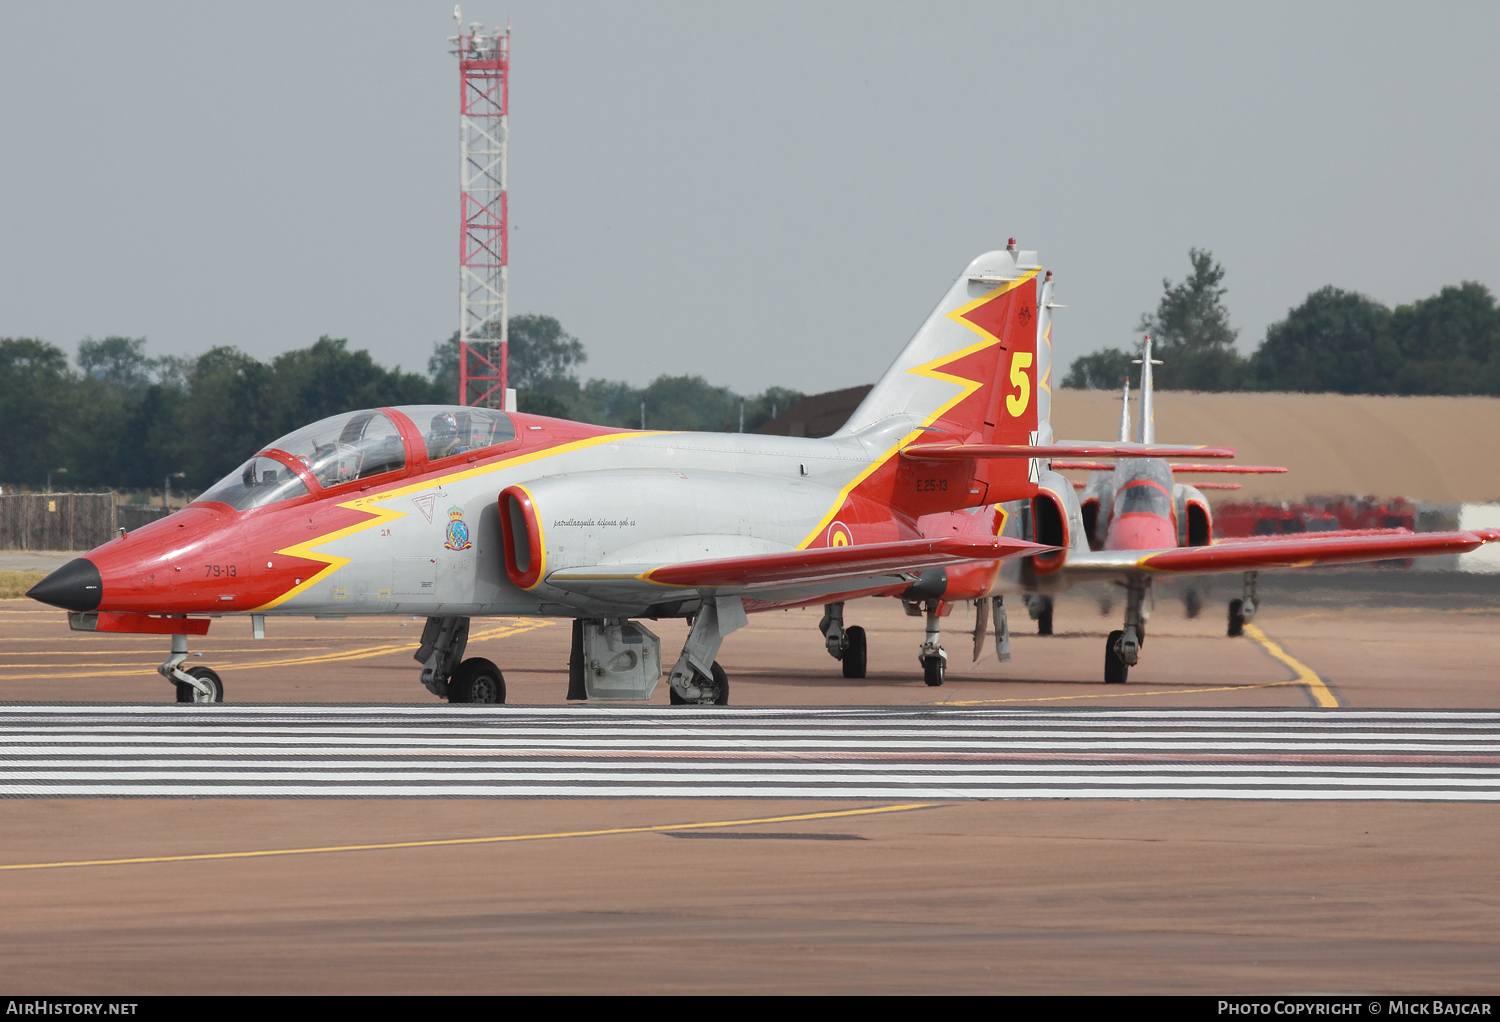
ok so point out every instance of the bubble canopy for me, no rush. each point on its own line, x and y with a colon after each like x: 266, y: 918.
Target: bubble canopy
x: 356, y: 445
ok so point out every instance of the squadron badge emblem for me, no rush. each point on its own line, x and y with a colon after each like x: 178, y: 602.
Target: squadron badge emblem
x: 458, y: 532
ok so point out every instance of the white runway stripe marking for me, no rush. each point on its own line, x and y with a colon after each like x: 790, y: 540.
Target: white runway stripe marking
x: 862, y: 753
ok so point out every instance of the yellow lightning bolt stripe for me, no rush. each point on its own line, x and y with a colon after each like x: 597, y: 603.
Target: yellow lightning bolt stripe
x: 930, y: 370
x: 381, y: 515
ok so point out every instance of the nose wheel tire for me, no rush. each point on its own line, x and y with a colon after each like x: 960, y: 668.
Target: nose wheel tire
x: 188, y: 694
x: 854, y: 652
x: 933, y: 670
x: 1236, y: 618
x: 477, y: 680
x: 1115, y: 669
x: 719, y: 685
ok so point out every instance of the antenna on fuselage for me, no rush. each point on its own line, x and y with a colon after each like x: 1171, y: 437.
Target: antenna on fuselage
x: 1146, y: 429
x: 1125, y: 411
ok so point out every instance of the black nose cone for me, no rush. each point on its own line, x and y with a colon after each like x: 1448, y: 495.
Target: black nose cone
x: 74, y: 586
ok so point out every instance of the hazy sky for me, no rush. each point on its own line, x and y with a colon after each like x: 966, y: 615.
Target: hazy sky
x: 758, y: 193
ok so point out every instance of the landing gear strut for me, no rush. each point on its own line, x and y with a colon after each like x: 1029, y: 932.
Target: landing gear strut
x: 1242, y: 611
x: 194, y: 685
x: 446, y: 674
x: 1040, y: 609
x: 1122, y: 650
x: 697, y: 679
x: 843, y: 644
x: 1192, y: 603
x: 933, y: 658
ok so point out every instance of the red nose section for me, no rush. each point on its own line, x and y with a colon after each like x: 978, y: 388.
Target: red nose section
x: 163, y: 567
x: 1141, y: 531
x: 197, y: 561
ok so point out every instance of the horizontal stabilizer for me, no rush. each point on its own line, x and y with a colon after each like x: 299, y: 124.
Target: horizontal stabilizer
x: 968, y: 452
x: 758, y: 572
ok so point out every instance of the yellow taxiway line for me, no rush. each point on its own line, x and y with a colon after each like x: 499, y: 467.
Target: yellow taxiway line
x: 1317, y: 688
x: 1115, y: 695
x: 1304, y: 676
x: 364, y: 653
x: 452, y: 841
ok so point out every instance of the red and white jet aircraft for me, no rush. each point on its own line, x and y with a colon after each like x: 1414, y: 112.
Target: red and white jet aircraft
x: 454, y: 512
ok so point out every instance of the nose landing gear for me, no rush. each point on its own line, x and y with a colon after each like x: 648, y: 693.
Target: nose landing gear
x: 194, y: 685
x: 1242, y: 611
x: 1122, y: 650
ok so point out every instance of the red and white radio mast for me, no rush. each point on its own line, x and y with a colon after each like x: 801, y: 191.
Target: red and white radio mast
x: 484, y: 234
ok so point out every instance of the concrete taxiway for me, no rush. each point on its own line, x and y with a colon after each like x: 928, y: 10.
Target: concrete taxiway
x: 846, y: 887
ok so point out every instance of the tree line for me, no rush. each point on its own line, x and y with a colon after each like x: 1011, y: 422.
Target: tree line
x: 120, y: 419
x: 1336, y: 341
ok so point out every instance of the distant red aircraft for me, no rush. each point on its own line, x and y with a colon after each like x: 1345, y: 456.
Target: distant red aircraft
x: 1131, y: 523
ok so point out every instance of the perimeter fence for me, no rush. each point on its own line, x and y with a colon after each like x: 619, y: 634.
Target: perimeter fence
x: 67, y: 521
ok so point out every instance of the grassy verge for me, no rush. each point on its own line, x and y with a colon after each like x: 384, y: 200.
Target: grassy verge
x: 13, y: 584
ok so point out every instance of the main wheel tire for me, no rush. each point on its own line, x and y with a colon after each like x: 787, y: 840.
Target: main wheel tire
x: 1192, y: 603
x: 720, y: 685
x: 854, y: 652
x: 1236, y: 618
x: 188, y: 694
x: 477, y: 680
x: 1044, y: 620
x: 933, y: 669
x: 1115, y: 669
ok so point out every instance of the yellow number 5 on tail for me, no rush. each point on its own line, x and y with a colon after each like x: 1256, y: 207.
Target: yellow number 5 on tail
x: 1019, y: 363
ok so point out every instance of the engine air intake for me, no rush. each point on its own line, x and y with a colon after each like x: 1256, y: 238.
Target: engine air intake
x: 521, y: 537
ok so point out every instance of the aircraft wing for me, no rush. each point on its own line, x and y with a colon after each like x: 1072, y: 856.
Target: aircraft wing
x: 967, y: 452
x: 1104, y: 466
x: 1278, y: 552
x: 791, y: 574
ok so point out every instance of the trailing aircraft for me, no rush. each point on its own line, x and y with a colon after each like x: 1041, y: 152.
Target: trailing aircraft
x: 453, y: 512
x: 1131, y: 524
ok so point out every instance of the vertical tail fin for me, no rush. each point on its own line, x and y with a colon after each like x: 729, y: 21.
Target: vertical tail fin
x: 1044, y: 307
x: 1125, y: 411
x: 971, y: 372
x: 969, y: 376
x: 1145, y: 431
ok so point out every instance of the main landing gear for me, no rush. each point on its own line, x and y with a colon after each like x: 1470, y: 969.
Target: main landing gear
x: 844, y: 644
x: 932, y: 656
x: 194, y: 685
x: 696, y: 678
x: 1242, y: 611
x: 1122, y: 650
x: 1040, y: 609
x: 444, y: 671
